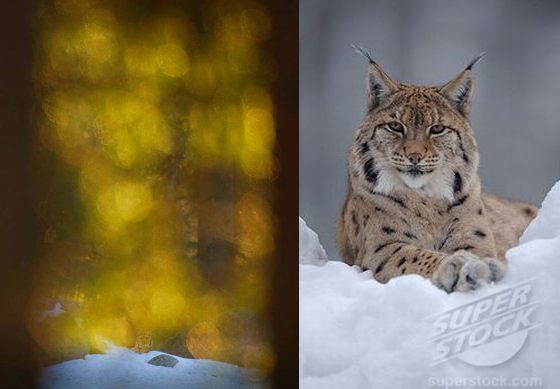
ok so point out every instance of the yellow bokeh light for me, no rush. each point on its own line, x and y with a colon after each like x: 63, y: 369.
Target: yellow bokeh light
x: 124, y: 202
x: 110, y: 330
x: 140, y: 61
x: 172, y: 60
x: 96, y: 43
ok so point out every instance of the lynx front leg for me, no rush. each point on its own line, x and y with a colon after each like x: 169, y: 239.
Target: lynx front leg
x: 460, y: 271
x: 393, y: 259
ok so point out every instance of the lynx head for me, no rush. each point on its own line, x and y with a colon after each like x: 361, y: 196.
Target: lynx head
x: 415, y: 137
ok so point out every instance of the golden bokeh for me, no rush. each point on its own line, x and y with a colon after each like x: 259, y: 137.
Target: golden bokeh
x: 156, y: 139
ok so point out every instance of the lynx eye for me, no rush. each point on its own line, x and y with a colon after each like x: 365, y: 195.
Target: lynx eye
x: 437, y: 129
x: 396, y: 127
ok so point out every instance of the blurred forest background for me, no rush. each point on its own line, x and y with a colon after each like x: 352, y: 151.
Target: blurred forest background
x: 515, y: 112
x: 154, y: 162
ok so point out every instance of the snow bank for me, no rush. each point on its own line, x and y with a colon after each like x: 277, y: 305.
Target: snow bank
x: 547, y: 225
x: 310, y: 250
x: 122, y: 368
x: 358, y: 333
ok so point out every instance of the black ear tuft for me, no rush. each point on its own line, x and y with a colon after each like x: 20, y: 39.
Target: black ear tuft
x: 360, y: 50
x: 379, y: 85
x: 475, y: 60
x: 459, y: 90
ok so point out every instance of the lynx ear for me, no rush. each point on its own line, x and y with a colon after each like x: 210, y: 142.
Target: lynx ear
x: 459, y: 91
x: 379, y: 84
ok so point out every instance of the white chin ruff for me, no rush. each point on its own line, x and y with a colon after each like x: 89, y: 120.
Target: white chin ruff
x: 436, y: 184
x: 415, y: 182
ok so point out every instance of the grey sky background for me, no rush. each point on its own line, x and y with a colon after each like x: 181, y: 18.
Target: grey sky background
x: 516, y: 109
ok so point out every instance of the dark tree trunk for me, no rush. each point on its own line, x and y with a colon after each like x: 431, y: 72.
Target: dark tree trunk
x: 17, y: 223
x: 284, y: 299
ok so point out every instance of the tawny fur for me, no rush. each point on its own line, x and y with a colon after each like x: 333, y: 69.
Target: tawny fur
x: 414, y: 203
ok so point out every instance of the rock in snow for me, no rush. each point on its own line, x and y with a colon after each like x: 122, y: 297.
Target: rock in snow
x: 358, y: 333
x: 163, y: 360
x: 122, y: 368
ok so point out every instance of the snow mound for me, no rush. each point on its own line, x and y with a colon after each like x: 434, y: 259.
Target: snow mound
x: 358, y: 333
x: 310, y: 249
x: 123, y: 368
x: 547, y: 224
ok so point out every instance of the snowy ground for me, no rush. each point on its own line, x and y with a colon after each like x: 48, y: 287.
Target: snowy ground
x: 122, y: 368
x: 357, y: 333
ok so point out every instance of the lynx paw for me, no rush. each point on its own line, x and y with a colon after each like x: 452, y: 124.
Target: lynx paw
x: 497, y: 268
x: 464, y: 271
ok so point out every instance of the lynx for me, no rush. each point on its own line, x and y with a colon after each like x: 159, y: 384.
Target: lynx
x: 414, y: 202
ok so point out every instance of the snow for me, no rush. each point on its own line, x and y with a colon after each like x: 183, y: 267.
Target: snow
x: 358, y: 333
x: 123, y: 368
x: 547, y: 225
x: 54, y: 312
x: 310, y: 250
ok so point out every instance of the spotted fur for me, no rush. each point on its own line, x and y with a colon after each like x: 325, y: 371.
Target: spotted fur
x: 413, y: 174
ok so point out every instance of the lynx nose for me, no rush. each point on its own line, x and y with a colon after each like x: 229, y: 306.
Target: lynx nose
x: 415, y: 158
